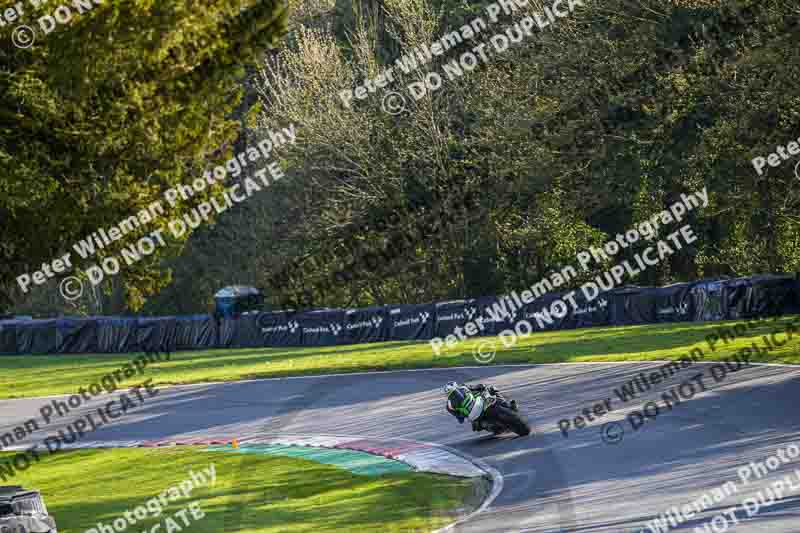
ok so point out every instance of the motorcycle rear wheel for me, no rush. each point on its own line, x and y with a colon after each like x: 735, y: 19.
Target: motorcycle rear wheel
x: 512, y: 420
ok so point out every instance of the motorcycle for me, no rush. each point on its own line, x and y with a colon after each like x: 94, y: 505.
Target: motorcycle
x: 500, y: 415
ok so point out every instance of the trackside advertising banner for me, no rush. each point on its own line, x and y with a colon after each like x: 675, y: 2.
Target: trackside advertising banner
x: 546, y: 314
x: 322, y: 328
x: 411, y: 322
x: 491, y: 319
x: 452, y: 315
x: 366, y: 325
x: 704, y: 300
x: 590, y: 314
x: 674, y: 303
x: 279, y: 329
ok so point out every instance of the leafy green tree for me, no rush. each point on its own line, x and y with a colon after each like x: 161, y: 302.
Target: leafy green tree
x: 500, y: 177
x: 108, y: 110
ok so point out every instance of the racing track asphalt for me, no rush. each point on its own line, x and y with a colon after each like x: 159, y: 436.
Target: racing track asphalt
x: 552, y: 484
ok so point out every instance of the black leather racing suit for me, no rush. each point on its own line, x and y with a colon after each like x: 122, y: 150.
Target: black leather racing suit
x: 477, y: 389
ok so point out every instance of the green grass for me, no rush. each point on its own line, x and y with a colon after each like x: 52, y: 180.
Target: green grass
x: 25, y: 376
x: 252, y: 493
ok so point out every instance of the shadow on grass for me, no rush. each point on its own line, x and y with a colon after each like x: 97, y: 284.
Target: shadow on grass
x: 252, y: 493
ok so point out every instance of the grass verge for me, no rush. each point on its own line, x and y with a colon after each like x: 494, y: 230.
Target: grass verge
x: 252, y: 493
x: 26, y: 376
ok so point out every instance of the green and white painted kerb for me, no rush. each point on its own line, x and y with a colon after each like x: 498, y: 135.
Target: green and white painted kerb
x: 360, y: 455
x: 417, y: 456
x: 357, y: 462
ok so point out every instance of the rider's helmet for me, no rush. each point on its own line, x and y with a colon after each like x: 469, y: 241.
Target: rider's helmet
x: 450, y: 387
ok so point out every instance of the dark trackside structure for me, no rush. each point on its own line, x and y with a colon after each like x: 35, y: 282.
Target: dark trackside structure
x: 24, y: 510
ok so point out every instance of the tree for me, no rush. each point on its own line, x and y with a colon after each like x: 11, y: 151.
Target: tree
x: 108, y: 110
x: 570, y: 136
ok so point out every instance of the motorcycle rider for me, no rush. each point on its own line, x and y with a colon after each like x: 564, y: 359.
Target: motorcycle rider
x: 465, y: 401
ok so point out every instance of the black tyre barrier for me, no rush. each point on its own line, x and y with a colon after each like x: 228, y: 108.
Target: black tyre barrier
x: 703, y: 300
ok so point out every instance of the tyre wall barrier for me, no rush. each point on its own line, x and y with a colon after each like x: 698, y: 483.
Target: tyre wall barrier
x: 703, y: 300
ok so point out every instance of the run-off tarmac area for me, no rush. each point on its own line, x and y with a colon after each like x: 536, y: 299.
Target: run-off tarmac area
x: 583, y: 482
